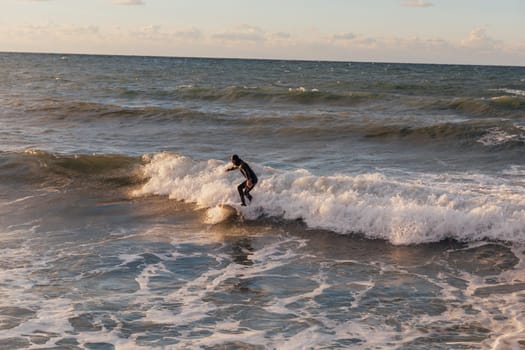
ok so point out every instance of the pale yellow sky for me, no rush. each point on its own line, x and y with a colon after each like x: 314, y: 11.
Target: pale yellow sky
x: 430, y: 31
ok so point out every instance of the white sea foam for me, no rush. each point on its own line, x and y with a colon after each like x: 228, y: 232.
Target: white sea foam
x: 515, y: 92
x: 406, y: 209
x: 498, y: 136
x: 143, y: 279
x: 219, y: 214
x: 515, y: 170
x: 302, y: 90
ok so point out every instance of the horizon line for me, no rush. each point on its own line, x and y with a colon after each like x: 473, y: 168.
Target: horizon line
x: 257, y: 59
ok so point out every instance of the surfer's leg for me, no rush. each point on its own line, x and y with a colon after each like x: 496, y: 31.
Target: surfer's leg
x: 241, y: 188
x: 247, y: 192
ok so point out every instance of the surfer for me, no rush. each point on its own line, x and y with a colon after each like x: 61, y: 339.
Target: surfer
x: 251, y: 179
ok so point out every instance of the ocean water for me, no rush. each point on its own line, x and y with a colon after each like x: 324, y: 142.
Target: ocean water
x: 390, y: 211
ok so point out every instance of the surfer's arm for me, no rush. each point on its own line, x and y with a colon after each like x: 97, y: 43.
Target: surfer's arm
x: 230, y: 169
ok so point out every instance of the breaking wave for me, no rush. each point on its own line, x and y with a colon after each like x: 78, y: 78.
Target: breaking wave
x: 409, y: 209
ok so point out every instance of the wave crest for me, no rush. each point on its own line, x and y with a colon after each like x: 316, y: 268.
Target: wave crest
x: 35, y: 166
x: 403, y: 210
x: 275, y: 94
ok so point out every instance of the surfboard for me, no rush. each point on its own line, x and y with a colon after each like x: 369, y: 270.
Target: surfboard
x: 231, y: 208
x: 221, y: 213
x: 228, y: 211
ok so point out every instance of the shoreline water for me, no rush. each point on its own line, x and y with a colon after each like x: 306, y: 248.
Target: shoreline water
x: 169, y: 282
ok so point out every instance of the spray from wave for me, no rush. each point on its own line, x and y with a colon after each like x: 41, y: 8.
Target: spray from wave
x: 404, y: 209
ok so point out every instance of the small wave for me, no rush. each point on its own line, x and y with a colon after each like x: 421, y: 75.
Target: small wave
x: 488, y: 132
x: 35, y: 166
x: 328, y: 127
x: 494, y: 107
x: 473, y: 106
x: 408, y: 210
x: 90, y: 111
x: 514, y: 102
x: 274, y: 94
x: 515, y: 92
x: 498, y: 136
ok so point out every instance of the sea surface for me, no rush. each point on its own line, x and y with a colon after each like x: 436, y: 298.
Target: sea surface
x: 389, y: 213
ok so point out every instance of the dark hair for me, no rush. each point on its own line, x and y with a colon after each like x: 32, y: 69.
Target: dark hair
x: 236, y: 160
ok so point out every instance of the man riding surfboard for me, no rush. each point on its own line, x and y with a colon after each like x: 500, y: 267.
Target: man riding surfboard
x: 251, y: 179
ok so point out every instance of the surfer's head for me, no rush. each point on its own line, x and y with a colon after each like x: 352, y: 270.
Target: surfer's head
x: 236, y: 160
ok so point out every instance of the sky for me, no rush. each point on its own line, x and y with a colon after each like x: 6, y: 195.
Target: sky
x: 415, y: 31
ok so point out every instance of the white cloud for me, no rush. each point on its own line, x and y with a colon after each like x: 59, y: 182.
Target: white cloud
x: 242, y: 33
x: 55, y: 31
x: 129, y: 2
x: 158, y: 34
x: 116, y: 2
x: 189, y: 34
x: 281, y: 35
x: 417, y: 3
x: 149, y: 32
x: 480, y: 40
x: 478, y: 46
x: 344, y: 36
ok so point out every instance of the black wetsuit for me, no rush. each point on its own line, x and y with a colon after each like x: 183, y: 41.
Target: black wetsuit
x: 248, y: 173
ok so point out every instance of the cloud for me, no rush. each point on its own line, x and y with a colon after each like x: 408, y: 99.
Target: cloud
x: 479, y: 39
x: 150, y: 32
x: 159, y: 34
x: 116, y: 2
x: 344, y: 36
x: 281, y: 35
x: 478, y: 46
x: 55, y: 31
x: 190, y: 34
x: 243, y: 33
x: 417, y: 3
x: 129, y: 2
